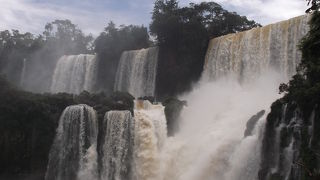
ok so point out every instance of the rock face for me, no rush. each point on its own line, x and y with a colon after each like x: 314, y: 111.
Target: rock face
x: 252, y: 123
x: 291, y: 143
x: 172, y: 110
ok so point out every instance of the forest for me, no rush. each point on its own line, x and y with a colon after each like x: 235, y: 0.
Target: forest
x: 29, y: 114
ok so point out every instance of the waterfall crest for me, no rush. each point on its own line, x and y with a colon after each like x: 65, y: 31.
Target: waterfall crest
x: 73, y: 154
x: 74, y: 74
x: 249, y: 54
x: 137, y: 71
x: 116, y: 145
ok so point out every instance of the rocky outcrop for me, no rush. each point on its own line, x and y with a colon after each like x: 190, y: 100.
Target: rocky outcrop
x: 291, y: 145
x: 252, y: 123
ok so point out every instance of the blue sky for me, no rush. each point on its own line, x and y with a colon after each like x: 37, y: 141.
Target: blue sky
x: 92, y: 15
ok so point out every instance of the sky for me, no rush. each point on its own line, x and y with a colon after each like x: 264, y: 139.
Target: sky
x: 93, y: 15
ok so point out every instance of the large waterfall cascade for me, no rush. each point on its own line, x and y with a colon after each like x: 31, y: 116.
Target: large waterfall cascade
x: 241, y: 76
x: 150, y: 136
x: 73, y: 153
x: 250, y: 53
x: 116, y: 149
x: 74, y: 74
x: 128, y: 147
x: 211, y: 142
x: 137, y: 71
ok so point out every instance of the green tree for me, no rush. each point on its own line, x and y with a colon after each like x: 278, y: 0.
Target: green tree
x: 14, y: 47
x: 60, y: 37
x: 183, y: 34
x: 304, y: 88
x: 109, y: 46
x: 67, y: 36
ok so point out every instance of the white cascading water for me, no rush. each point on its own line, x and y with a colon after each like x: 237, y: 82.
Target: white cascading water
x: 137, y: 71
x: 74, y: 74
x: 150, y: 135
x: 116, y: 145
x: 252, y: 53
x: 73, y: 155
x: 23, y: 72
x: 210, y: 144
x: 247, y: 69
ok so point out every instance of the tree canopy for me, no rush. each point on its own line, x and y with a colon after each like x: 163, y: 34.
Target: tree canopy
x: 304, y: 88
x: 67, y: 36
x: 109, y: 46
x: 183, y: 34
x: 60, y: 37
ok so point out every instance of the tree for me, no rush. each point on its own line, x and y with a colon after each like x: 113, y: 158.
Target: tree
x: 183, y: 34
x: 109, y: 46
x: 315, y: 5
x: 304, y: 88
x: 67, y: 36
x: 14, y: 47
x: 60, y: 37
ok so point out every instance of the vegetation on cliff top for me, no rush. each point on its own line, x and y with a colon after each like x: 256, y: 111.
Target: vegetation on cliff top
x: 29, y: 121
x: 304, y: 88
x: 183, y: 34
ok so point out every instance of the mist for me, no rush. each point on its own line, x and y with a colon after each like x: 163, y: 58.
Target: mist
x: 211, y: 143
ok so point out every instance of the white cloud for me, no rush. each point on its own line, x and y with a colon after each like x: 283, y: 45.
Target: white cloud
x: 91, y: 16
x: 263, y: 11
x: 32, y: 17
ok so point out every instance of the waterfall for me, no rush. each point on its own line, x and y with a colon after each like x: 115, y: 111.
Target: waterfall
x: 211, y: 142
x: 137, y: 71
x: 73, y: 154
x: 288, y: 139
x: 74, y: 74
x: 23, y: 72
x: 115, y: 149
x: 249, y: 54
x: 150, y: 135
x: 241, y: 77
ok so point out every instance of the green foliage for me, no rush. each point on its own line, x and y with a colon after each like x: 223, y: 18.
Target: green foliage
x: 14, y: 47
x: 60, y: 37
x: 29, y: 121
x: 109, y: 46
x: 183, y: 35
x: 304, y: 88
x: 303, y: 95
x: 68, y: 37
x: 28, y: 124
